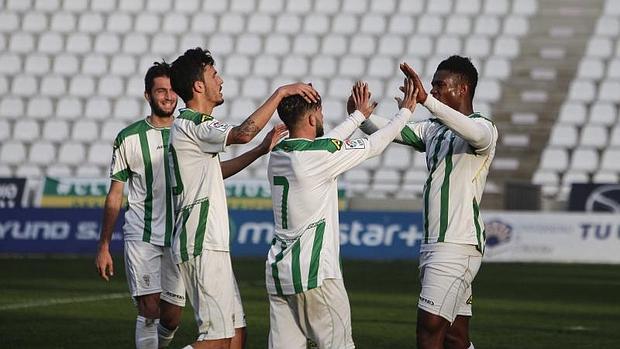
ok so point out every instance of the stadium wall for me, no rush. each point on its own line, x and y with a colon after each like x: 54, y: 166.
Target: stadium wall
x: 511, y: 237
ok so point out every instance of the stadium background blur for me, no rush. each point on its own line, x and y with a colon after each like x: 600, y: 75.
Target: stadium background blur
x: 71, y: 77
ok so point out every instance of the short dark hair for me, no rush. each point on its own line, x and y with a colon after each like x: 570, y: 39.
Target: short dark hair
x: 187, y: 69
x: 463, y: 67
x: 158, y: 69
x: 292, y: 108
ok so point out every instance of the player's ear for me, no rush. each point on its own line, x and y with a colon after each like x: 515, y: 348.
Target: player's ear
x: 199, y: 86
x: 147, y: 96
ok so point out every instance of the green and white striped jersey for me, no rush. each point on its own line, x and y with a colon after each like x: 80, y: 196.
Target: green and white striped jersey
x: 198, y: 186
x: 302, y: 174
x: 140, y: 158
x: 455, y: 183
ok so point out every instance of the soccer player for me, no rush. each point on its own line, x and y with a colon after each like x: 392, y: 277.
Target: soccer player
x: 140, y: 158
x: 201, y: 241
x: 307, y: 297
x: 459, y: 146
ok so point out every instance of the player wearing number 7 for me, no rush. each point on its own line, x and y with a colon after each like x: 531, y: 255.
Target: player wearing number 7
x: 307, y: 297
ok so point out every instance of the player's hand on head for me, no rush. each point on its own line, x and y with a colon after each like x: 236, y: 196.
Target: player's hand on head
x: 305, y: 90
x: 412, y: 74
x: 360, y: 95
x: 105, y: 266
x: 273, y: 137
x: 410, y: 94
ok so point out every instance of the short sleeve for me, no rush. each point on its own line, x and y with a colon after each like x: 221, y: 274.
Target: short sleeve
x: 119, y: 167
x: 211, y: 135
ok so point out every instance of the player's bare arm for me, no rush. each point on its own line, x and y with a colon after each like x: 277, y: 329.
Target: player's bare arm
x: 254, y: 123
x: 232, y: 166
x: 113, y: 202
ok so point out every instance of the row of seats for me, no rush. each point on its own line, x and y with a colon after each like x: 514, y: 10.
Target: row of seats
x: 277, y: 6
x: 590, y: 136
x: 578, y: 113
x: 582, y: 159
x: 109, y: 27
x: 58, y: 131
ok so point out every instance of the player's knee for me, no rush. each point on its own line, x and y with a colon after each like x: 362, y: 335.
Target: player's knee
x: 170, y: 315
x: 148, y: 306
x: 453, y: 341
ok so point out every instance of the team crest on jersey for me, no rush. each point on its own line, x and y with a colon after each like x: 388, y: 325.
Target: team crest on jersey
x: 206, y: 117
x: 218, y: 125
x: 147, y: 280
x: 354, y: 144
x: 337, y: 143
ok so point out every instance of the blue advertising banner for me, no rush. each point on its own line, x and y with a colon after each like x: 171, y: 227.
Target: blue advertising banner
x: 363, y: 235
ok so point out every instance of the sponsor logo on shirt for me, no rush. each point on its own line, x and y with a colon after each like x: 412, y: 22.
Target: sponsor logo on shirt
x: 354, y: 144
x: 220, y: 126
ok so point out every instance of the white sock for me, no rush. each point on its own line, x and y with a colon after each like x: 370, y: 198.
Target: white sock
x: 164, y: 335
x: 471, y: 345
x: 188, y: 347
x: 146, y: 333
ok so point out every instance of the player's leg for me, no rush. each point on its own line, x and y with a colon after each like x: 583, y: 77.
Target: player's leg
x: 172, y: 300
x: 210, y: 288
x: 430, y: 330
x: 284, y: 330
x: 328, y: 315
x: 143, y: 269
x: 457, y: 336
x: 239, y: 339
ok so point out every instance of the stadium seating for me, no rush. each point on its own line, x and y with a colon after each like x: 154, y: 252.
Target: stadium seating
x: 71, y: 74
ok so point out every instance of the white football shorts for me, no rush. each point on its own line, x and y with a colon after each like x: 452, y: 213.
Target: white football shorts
x: 150, y: 269
x: 321, y: 314
x: 446, y: 275
x: 214, y: 294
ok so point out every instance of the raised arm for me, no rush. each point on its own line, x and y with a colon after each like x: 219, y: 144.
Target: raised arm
x: 113, y: 202
x: 251, y: 126
x: 356, y: 117
x: 478, y: 135
x: 233, y: 166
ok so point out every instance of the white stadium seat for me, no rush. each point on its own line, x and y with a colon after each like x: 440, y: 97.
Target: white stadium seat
x: 316, y: 23
x: 164, y: 44
x: 555, y: 159
x: 98, y: 108
x: 333, y: 109
x: 614, y: 140
x: 37, y: 64
x: 470, y: 7
x: 339, y: 87
x: 584, y: 159
x: 602, y: 113
x: 594, y: 136
x: 203, y: 23
x: 306, y: 45
x: 78, y: 43
x: 477, y: 46
x: 335, y: 45
x: 497, y: 67
x: 135, y: 43
x: 68, y: 108
x: 326, y: 6
x: 573, y: 113
x: 100, y: 153
x: 28, y: 171
x: 63, y: 22
x: 323, y: 66
x: 26, y: 130
x: 352, y: 66
x: 110, y: 86
x: 609, y: 160
x: 12, y: 153
x: 608, y: 91
x: 66, y: 64
x: 42, y: 153
x: 75, y: 5
x: 255, y: 87
x: 94, y: 64
x: 506, y: 47
x: 448, y: 45
x: 355, y: 6
x: 24, y: 85
x: 487, y: 25
x: 515, y: 25
x: 373, y: 23
x: 249, y: 44
x: 10, y: 63
x: 55, y: 130
x: 110, y: 130
x: 260, y: 23
x: 5, y: 130
x: 442, y: 7
x: 85, y: 131
x: 147, y: 23
x: 607, y: 26
x: 591, y: 68
x: 107, y: 43
x: 187, y: 6
x: 266, y: 66
x: 90, y: 23
x: 58, y: 170
x: 126, y: 108
x: 430, y: 25
x: 357, y: 179
x: 382, y: 67
x: 11, y: 107
x: 299, y: 6
x: 563, y: 136
x: 192, y: 40
x: 102, y: 6
x: 458, y: 25
x: 393, y: 46
x: 294, y: 66
x: 119, y: 22
x: 175, y: 23
x: 122, y: 65
x: 582, y: 90
x: 243, y: 6
x: 34, y: 22
x: 344, y: 23
x: 159, y: 6
x: 288, y: 23
x: 82, y: 86
x: 21, y: 42
x: 604, y: 177
x: 524, y: 7
x: 89, y: 171
x: 362, y: 45
x: 401, y: 24
x: 216, y: 6
x: 397, y: 157
x: 39, y: 108
x: 600, y: 47
x: 71, y: 153
x: 9, y: 22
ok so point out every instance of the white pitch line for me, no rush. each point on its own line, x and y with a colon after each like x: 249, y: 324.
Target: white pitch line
x: 56, y: 301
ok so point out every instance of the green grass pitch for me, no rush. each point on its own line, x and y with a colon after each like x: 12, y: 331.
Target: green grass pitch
x: 61, y: 303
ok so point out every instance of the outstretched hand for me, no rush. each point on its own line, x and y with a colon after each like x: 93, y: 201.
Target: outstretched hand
x: 360, y: 99
x: 104, y: 264
x: 410, y: 92
x: 273, y: 137
x: 305, y: 90
x: 411, y: 74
